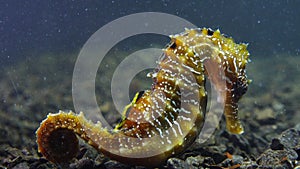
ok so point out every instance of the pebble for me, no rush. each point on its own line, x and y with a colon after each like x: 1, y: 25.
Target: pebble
x: 265, y: 114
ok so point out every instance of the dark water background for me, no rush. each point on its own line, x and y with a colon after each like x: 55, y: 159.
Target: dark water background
x: 45, y: 37
x: 56, y: 30
x: 40, y: 41
x: 38, y: 27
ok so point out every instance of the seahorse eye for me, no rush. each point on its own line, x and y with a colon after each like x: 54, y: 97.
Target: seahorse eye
x: 172, y: 45
x: 210, y: 32
x: 140, y: 94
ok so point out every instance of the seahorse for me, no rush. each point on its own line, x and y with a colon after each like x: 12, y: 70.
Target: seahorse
x: 165, y: 120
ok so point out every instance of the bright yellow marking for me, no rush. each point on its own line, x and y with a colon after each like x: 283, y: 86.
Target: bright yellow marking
x: 134, y: 100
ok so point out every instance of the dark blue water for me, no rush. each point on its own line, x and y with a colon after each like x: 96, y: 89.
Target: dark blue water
x: 40, y: 41
x: 32, y: 26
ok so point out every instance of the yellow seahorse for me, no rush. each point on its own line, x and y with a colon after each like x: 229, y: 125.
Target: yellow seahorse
x: 165, y: 120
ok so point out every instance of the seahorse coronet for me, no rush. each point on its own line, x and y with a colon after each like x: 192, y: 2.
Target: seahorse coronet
x: 164, y: 121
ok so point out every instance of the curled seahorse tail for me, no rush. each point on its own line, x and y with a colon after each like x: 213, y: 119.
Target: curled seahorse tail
x: 57, y: 141
x: 56, y: 137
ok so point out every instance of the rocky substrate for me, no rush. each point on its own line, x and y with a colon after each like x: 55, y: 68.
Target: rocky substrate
x: 282, y: 152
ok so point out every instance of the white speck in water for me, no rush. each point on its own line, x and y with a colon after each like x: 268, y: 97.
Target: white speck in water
x: 44, y: 78
x: 258, y: 21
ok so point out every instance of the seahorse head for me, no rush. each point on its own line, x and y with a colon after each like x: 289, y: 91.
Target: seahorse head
x: 224, y: 62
